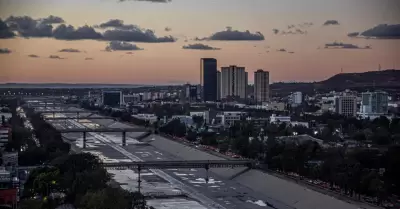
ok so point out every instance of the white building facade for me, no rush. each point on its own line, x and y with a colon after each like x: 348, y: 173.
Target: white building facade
x: 296, y: 98
x: 233, y: 82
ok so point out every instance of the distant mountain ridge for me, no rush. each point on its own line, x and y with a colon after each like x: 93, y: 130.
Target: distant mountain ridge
x: 372, y: 78
x: 385, y: 80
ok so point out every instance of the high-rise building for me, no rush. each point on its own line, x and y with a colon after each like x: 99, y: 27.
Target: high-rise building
x: 261, y: 86
x: 296, y: 98
x: 192, y: 93
x: 374, y: 103
x: 233, y: 82
x: 346, y: 105
x: 246, y: 93
x: 208, y: 78
x: 112, y: 98
x: 218, y: 85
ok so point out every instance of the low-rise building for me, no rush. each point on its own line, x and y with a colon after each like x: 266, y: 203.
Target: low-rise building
x: 279, y: 119
x: 276, y: 106
x: 151, y: 118
x: 5, y: 134
x: 229, y: 118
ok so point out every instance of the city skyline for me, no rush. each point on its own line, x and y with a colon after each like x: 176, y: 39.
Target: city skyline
x: 303, y: 41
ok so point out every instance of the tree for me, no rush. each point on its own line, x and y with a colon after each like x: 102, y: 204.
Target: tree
x: 359, y: 136
x: 81, y: 173
x: 112, y: 198
x: 198, y: 120
x: 31, y: 204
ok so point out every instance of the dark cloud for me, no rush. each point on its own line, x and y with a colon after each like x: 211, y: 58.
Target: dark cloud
x: 55, y: 57
x: 65, y: 32
x: 354, y: 34
x: 234, y: 35
x: 129, y: 32
x: 29, y: 27
x: 276, y: 31
x: 88, y: 58
x: 281, y: 50
x: 117, y: 24
x: 33, y: 56
x: 5, y: 51
x: 121, y: 46
x: 383, y: 31
x: 51, y: 20
x: 199, y: 47
x: 291, y: 26
x: 168, y: 29
x: 291, y: 52
x: 340, y: 45
x: 153, y: 1
x: 5, y: 31
x: 129, y: 53
x: 70, y: 50
x: 331, y: 22
x: 137, y: 35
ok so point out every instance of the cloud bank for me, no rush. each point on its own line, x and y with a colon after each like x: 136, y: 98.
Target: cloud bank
x: 121, y: 46
x: 70, y: 50
x: 383, y: 31
x: 234, y: 35
x: 55, y: 57
x: 199, y: 47
x: 340, y: 45
x: 331, y: 22
x: 5, y: 31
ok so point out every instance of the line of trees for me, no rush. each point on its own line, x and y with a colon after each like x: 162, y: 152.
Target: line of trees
x: 80, y: 180
x: 356, y: 171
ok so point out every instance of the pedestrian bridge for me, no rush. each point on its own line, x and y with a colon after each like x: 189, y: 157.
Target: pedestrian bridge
x: 168, y: 164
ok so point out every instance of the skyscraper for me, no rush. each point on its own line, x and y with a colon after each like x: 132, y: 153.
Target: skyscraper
x: 261, y: 86
x: 208, y: 78
x: 218, y: 85
x: 233, y: 82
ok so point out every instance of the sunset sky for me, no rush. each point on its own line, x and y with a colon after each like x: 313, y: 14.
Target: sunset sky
x: 295, y: 40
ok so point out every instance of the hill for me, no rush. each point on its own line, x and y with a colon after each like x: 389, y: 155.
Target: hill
x: 388, y: 80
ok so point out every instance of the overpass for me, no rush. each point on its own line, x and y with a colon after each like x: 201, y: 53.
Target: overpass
x: 84, y: 131
x: 65, y: 111
x: 179, y: 164
x: 80, y: 118
x: 206, y: 164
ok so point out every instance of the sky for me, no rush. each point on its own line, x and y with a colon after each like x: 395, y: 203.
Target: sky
x: 162, y: 41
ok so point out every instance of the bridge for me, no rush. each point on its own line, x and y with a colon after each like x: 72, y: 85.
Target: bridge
x: 64, y: 111
x: 84, y: 131
x: 179, y: 164
x: 206, y: 164
x: 80, y: 118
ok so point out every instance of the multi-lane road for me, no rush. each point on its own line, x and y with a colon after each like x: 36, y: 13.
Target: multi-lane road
x: 187, y: 188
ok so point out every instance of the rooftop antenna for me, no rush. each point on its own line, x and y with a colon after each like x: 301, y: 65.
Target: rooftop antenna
x: 341, y: 70
x: 379, y: 68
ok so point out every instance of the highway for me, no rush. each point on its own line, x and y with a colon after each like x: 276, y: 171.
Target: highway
x: 218, y: 193
x: 250, y: 190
